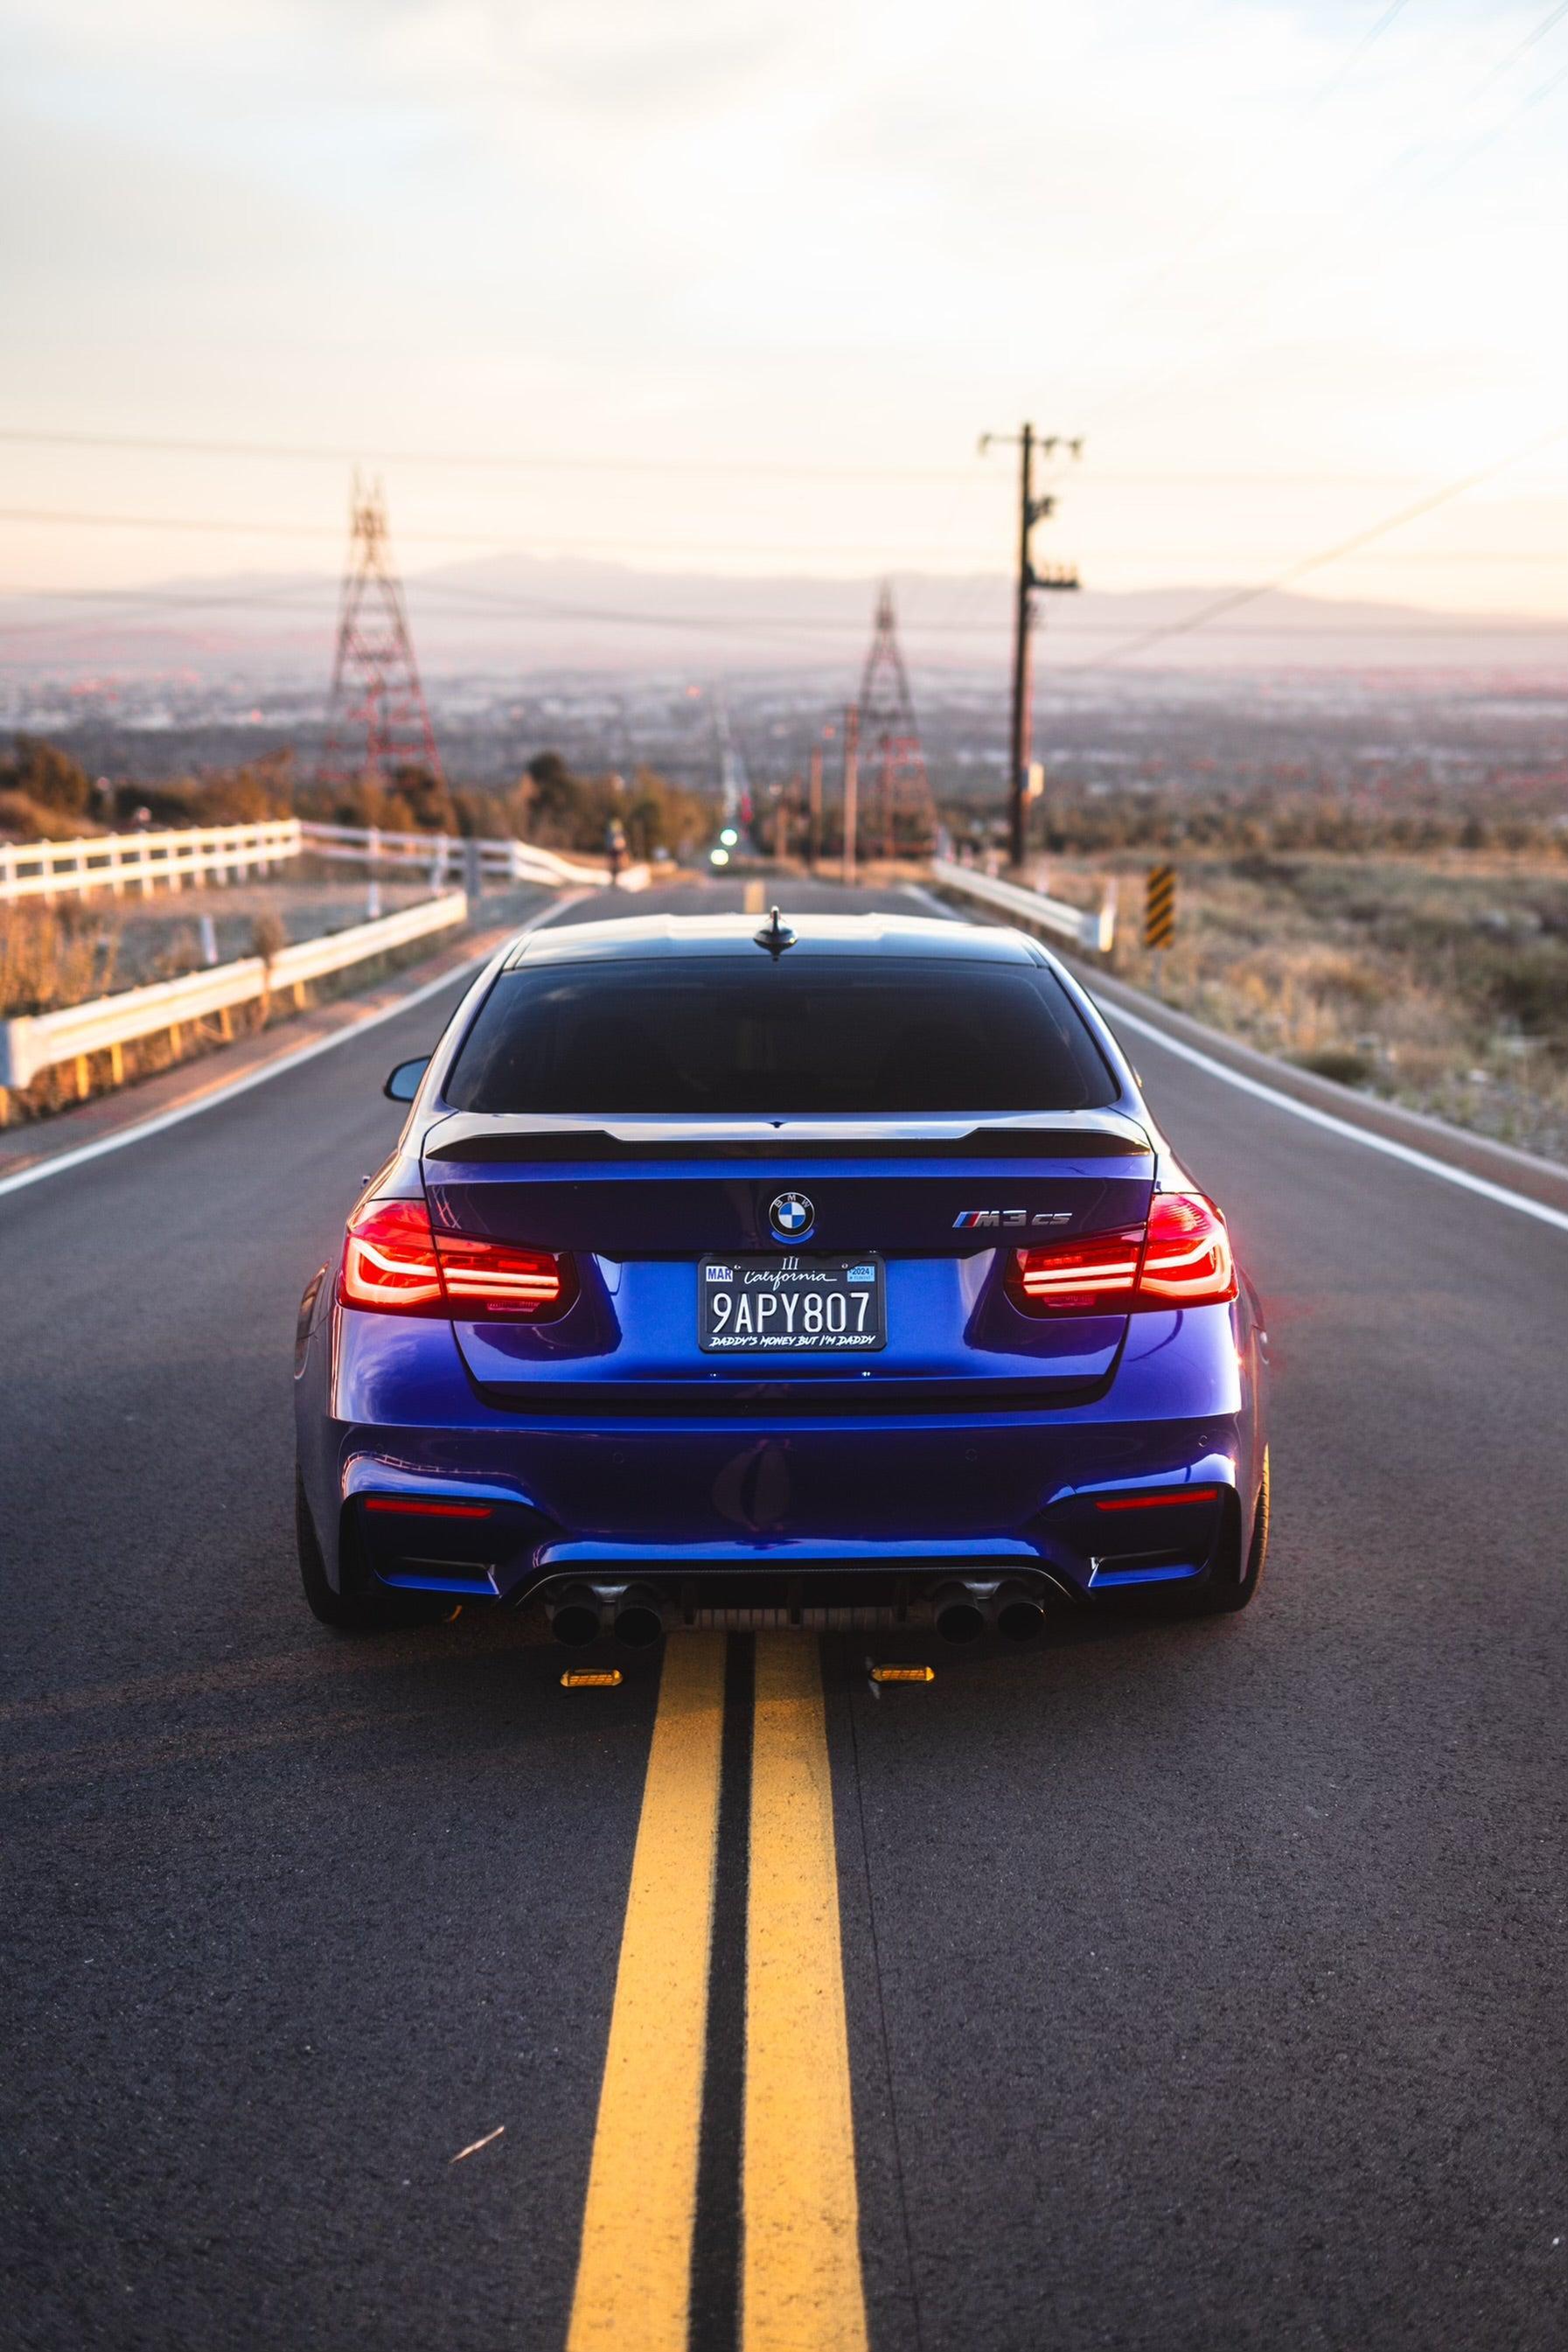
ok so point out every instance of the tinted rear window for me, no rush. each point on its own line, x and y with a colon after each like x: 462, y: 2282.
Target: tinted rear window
x: 896, y: 1036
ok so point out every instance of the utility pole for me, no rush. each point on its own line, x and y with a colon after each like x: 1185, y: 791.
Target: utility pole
x: 814, y: 808
x: 852, y: 787
x: 1055, y: 577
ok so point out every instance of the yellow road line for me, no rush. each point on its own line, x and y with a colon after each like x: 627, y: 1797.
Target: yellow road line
x: 633, y: 2275
x: 802, y: 2289
x: 752, y: 902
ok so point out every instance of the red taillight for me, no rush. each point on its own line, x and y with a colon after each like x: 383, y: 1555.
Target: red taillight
x: 393, y: 1263
x: 389, y: 1260
x: 1093, y: 1277
x: 1181, y: 1259
x: 494, y: 1278
x: 1187, y: 1262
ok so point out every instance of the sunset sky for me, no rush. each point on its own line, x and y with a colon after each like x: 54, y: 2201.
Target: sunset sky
x: 754, y: 277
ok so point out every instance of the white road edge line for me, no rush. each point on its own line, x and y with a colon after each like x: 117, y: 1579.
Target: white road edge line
x: 163, y: 1119
x: 1113, y: 1015
x: 1116, y: 1017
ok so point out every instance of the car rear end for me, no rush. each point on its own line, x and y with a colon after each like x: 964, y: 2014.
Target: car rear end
x: 838, y: 1284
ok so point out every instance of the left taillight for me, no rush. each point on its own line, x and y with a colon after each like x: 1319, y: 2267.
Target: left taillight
x: 1182, y: 1258
x: 394, y: 1264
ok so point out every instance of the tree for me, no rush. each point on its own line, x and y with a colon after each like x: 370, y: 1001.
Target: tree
x: 46, y: 775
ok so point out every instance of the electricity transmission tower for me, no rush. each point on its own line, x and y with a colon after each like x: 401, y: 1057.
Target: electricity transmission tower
x: 904, y: 818
x: 378, y: 722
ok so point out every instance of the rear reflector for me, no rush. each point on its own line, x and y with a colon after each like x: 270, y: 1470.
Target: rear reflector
x: 394, y: 1264
x: 1161, y: 1502
x: 904, y: 1674
x: 1181, y: 1258
x: 418, y: 1507
x: 591, y: 1678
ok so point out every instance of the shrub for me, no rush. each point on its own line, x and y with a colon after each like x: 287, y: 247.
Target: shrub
x: 1340, y: 1063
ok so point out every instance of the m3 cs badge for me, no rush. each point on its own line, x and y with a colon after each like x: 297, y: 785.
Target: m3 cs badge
x: 968, y: 1219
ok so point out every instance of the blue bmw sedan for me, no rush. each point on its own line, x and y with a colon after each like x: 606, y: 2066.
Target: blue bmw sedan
x: 832, y: 1274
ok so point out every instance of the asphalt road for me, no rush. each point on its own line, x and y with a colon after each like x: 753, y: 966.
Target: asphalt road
x: 1204, y: 1983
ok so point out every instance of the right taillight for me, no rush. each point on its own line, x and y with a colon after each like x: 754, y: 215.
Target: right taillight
x: 1181, y: 1258
x: 395, y: 1265
x: 1186, y: 1259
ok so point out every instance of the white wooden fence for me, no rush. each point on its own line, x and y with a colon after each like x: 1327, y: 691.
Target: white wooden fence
x: 222, y: 853
x: 145, y: 861
x: 37, y: 1041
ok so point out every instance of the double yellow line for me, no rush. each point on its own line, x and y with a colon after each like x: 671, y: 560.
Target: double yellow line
x: 800, y: 2288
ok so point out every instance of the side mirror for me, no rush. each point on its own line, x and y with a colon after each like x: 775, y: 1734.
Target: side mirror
x: 403, y: 1084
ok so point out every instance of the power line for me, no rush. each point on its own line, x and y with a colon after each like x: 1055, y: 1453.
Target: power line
x: 493, y: 461
x: 1200, y: 237
x: 828, y: 626
x: 969, y: 476
x: 1280, y: 273
x: 1368, y: 40
x: 508, y: 543
x: 1489, y: 138
x: 1553, y: 16
x: 1236, y: 597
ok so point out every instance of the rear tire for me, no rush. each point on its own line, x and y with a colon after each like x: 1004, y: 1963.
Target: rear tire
x: 353, y: 1613
x: 1223, y: 1595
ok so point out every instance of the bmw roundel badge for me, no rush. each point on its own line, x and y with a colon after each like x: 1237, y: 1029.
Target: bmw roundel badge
x: 791, y: 1216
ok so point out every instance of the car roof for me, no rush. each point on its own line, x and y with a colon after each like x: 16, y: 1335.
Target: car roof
x: 641, y: 938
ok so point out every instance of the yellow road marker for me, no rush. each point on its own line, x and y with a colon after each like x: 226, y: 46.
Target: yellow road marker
x: 801, y: 2289
x: 752, y: 902
x: 633, y: 2274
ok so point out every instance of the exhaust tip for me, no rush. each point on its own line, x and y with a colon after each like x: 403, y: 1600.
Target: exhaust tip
x: 576, y: 1622
x: 960, y: 1620
x: 1020, y: 1619
x: 639, y: 1626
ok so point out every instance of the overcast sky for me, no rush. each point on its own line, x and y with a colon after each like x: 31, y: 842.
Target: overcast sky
x: 1287, y: 272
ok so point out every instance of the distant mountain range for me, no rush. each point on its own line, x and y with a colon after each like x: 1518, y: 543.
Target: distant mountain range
x: 532, y: 616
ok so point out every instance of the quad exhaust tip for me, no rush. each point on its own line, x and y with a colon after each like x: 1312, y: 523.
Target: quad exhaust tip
x: 633, y: 1613
x: 963, y: 1610
x: 639, y: 1621
x: 958, y: 1612
x: 1019, y: 1614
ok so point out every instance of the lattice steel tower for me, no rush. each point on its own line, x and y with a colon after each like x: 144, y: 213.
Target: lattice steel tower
x: 903, y: 815
x: 378, y: 722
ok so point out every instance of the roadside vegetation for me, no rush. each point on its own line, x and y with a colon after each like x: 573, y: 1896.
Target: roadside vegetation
x: 45, y: 794
x: 1438, y: 982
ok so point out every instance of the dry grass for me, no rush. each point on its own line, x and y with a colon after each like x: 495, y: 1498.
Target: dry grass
x: 52, y: 956
x: 1442, y: 984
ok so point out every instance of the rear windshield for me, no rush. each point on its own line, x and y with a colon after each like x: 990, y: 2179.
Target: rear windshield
x: 894, y: 1036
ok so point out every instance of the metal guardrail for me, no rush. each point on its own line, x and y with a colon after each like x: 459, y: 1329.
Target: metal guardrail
x: 37, y: 1041
x: 442, y: 854
x: 149, y: 861
x: 1094, y: 932
x: 109, y: 861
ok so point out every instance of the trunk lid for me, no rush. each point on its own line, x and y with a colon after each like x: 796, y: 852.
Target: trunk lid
x: 639, y: 1202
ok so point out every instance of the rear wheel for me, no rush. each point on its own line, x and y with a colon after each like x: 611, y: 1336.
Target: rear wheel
x: 353, y: 1613
x: 1223, y: 1594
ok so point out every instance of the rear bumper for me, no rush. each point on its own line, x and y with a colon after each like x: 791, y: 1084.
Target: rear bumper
x: 818, y: 1508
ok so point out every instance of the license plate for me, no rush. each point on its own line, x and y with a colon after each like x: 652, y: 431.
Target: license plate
x: 792, y: 1305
